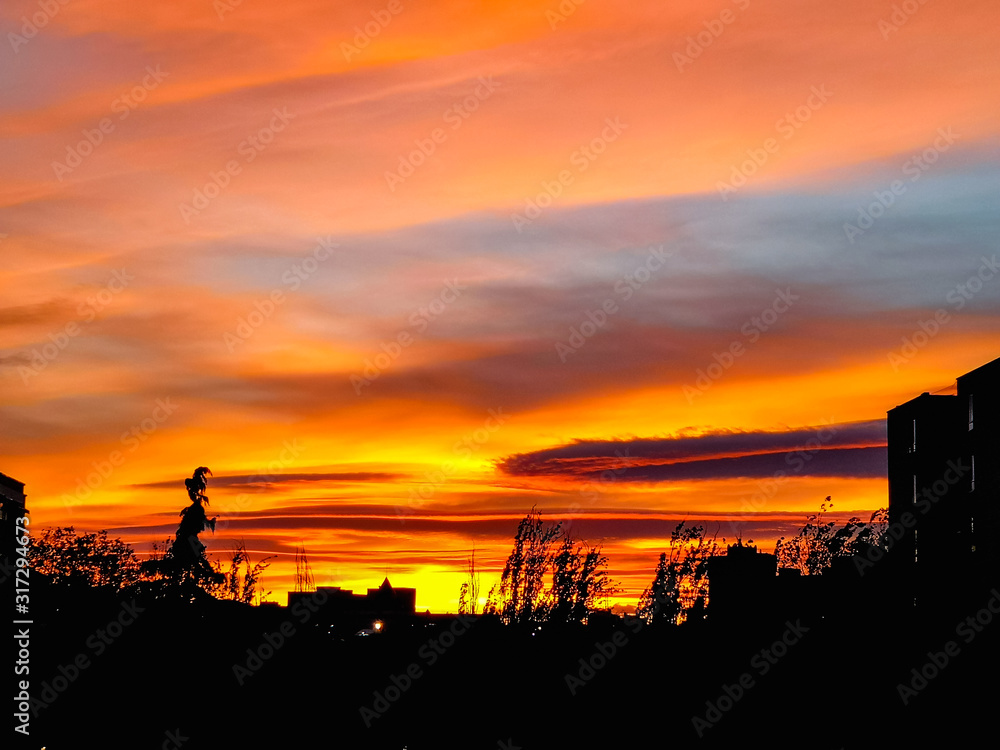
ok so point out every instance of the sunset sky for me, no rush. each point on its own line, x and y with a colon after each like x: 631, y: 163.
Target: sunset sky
x: 397, y: 272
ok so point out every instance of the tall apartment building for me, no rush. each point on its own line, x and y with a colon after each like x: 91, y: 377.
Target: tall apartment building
x: 944, y: 487
x: 12, y: 506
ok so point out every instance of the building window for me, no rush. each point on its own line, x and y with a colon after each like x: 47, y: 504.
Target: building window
x: 914, y: 489
x: 973, y: 482
x: 970, y: 411
x: 914, y: 546
x: 913, y: 448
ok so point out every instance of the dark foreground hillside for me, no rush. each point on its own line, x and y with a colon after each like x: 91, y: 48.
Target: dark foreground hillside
x: 167, y: 680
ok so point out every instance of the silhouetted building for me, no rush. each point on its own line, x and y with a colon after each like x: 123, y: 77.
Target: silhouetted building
x: 745, y: 584
x: 944, y: 486
x: 979, y: 393
x: 741, y: 583
x: 12, y: 506
x: 348, y: 611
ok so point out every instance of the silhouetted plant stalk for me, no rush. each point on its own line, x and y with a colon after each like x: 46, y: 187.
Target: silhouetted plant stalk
x: 245, y: 586
x: 679, y: 590
x: 579, y: 577
x: 468, y: 599
x: 819, y: 542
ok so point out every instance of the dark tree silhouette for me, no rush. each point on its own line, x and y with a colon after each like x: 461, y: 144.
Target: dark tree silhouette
x: 565, y: 568
x: 82, y: 561
x: 518, y: 600
x: 185, y: 565
x: 579, y: 577
x: 661, y: 601
x: 819, y: 541
x: 579, y: 580
x: 679, y: 590
x: 187, y: 550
